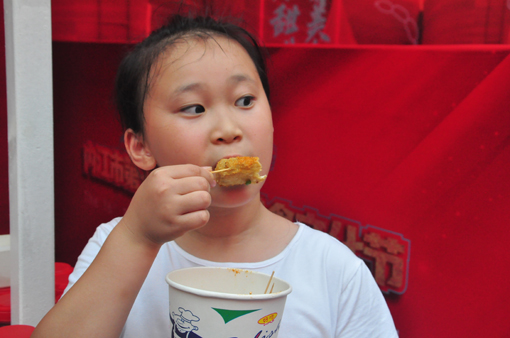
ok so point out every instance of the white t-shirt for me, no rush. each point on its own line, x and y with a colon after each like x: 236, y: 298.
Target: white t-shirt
x: 333, y: 292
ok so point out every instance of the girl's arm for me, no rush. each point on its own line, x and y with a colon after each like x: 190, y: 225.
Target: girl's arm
x: 170, y: 202
x: 100, y: 301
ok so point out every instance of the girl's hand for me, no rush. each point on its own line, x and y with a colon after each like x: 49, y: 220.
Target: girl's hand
x: 170, y: 202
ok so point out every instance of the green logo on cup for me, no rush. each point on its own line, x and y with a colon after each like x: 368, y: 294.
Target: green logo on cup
x: 229, y: 315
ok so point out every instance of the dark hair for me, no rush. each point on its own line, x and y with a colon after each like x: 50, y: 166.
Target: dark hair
x: 133, y: 81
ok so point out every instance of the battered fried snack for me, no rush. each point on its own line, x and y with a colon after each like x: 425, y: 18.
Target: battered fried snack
x: 238, y: 171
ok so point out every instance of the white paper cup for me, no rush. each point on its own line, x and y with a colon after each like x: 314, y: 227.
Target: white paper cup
x: 213, y: 302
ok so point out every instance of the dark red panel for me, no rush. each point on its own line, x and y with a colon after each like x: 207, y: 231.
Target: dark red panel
x: 466, y: 21
x: 412, y: 141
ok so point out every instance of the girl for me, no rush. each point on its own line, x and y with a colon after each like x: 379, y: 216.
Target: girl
x: 194, y: 92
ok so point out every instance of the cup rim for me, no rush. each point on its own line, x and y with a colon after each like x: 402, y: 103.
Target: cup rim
x: 223, y: 295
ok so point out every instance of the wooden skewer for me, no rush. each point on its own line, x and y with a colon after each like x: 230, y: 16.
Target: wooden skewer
x: 271, y: 288
x: 220, y: 170
x: 268, y: 283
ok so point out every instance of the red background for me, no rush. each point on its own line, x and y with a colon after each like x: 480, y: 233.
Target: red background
x: 410, y: 139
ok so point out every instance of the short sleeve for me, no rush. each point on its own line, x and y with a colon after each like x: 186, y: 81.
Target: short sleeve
x: 90, y: 251
x: 363, y: 311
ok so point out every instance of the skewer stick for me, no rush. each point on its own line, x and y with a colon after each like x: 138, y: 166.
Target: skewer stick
x: 270, y: 279
x: 220, y: 170
x: 271, y: 288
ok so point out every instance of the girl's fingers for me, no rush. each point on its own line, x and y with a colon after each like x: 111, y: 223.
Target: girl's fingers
x: 187, y: 185
x: 189, y: 170
x: 194, y: 220
x: 194, y: 201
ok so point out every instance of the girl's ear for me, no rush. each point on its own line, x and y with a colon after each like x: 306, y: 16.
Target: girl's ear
x: 138, y: 151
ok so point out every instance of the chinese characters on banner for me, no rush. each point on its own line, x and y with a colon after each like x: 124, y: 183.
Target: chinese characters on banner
x: 386, y: 253
x: 297, y: 21
x: 111, y: 166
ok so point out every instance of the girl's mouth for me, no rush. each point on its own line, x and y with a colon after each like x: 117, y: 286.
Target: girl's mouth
x: 224, y: 157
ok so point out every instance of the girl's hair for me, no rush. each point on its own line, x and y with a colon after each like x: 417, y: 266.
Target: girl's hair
x: 133, y: 82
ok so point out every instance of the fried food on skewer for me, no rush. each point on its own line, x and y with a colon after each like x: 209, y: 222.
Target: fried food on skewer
x: 238, y: 171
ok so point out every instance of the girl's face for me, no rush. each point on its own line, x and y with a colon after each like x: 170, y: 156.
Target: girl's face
x: 206, y: 103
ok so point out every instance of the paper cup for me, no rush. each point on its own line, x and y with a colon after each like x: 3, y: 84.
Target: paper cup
x: 212, y: 302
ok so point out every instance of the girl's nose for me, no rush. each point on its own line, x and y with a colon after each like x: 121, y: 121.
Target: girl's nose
x: 227, y: 130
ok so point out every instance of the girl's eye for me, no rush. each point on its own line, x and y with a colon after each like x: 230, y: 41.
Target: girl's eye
x: 245, y: 101
x: 193, y: 110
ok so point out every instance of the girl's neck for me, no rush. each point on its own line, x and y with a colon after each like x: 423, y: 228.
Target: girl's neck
x: 228, y: 224
x: 247, y: 233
